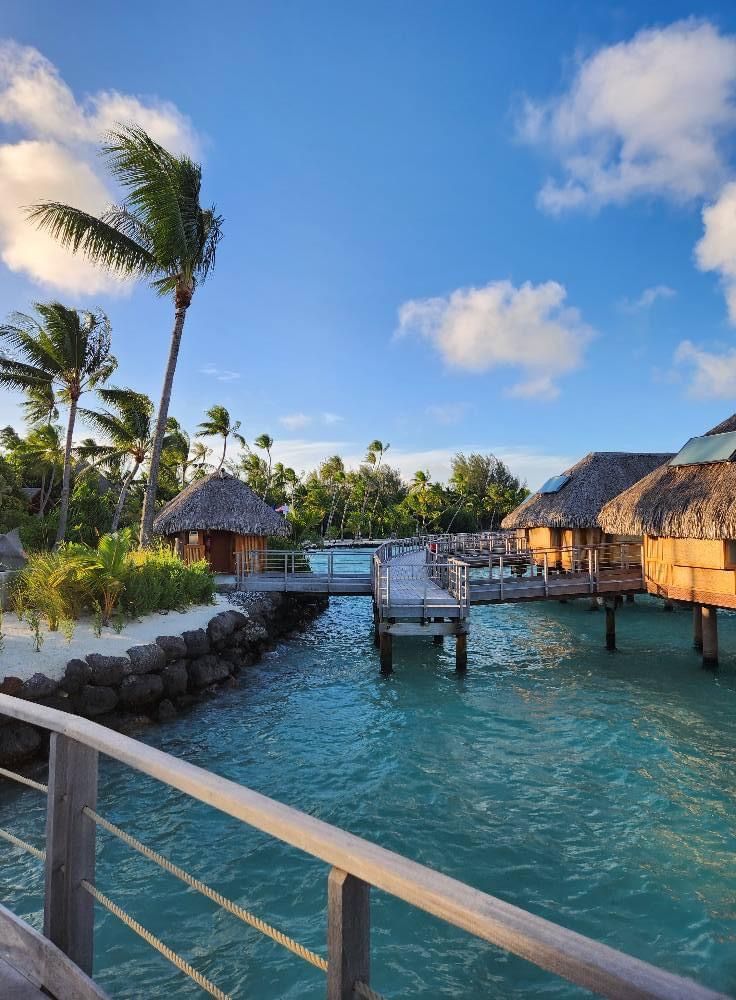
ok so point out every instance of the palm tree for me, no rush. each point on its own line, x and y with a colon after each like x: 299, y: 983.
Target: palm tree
x: 44, y: 445
x: 265, y: 442
x: 160, y: 234
x: 66, y: 349
x: 376, y: 450
x: 127, y: 425
x: 219, y: 424
x: 39, y: 407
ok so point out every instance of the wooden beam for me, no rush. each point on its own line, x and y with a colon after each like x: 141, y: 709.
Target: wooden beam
x: 461, y: 652
x: 68, y: 919
x: 386, y: 652
x: 610, y: 625
x: 348, y: 934
x: 697, y: 626
x: 710, y: 636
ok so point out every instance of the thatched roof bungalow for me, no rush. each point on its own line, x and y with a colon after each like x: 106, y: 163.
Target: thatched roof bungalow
x: 216, y: 517
x: 12, y: 554
x: 686, y: 513
x: 564, y: 511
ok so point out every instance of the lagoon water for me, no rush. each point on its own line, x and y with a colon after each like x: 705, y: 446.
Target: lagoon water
x: 595, y: 789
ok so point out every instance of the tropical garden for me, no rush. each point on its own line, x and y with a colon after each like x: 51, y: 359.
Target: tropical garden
x: 80, y: 502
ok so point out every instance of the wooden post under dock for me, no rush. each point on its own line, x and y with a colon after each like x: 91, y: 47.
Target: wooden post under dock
x: 386, y: 649
x: 376, y: 623
x: 710, y: 636
x: 631, y: 599
x: 461, y: 652
x: 438, y: 640
x: 610, y: 625
x: 668, y: 606
x: 348, y: 934
x: 697, y: 626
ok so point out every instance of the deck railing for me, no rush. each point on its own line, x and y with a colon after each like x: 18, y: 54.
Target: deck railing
x: 355, y: 865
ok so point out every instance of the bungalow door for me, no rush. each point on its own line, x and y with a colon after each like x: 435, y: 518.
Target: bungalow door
x: 221, y: 555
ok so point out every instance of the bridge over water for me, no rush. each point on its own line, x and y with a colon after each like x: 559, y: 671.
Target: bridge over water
x: 425, y: 585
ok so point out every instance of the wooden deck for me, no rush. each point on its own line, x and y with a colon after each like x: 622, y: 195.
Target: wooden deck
x: 15, y: 986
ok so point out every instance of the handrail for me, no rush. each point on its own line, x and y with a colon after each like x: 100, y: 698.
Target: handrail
x: 557, y: 949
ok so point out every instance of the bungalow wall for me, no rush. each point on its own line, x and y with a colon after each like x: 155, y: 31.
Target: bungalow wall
x: 220, y: 549
x: 691, y: 569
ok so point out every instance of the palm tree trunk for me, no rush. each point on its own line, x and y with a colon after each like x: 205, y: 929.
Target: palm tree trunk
x: 66, y: 478
x: 123, y: 496
x: 149, y: 502
x: 42, y: 498
x: 224, y: 449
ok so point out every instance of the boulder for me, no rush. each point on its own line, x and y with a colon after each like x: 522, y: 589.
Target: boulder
x: 38, y: 686
x: 18, y: 741
x: 141, y: 689
x: 12, y: 686
x: 147, y: 659
x: 77, y: 674
x: 166, y: 711
x: 107, y: 671
x: 224, y: 624
x: 207, y: 670
x: 95, y: 700
x: 175, y: 678
x: 196, y: 642
x: 173, y: 646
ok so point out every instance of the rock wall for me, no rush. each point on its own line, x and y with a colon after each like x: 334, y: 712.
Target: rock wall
x: 156, y: 681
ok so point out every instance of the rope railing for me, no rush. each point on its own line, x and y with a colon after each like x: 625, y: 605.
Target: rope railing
x: 222, y: 901
x: 21, y: 778
x: 176, y: 960
x: 23, y: 844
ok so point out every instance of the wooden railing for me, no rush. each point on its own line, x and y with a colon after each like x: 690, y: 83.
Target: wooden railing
x: 194, y: 552
x: 355, y: 865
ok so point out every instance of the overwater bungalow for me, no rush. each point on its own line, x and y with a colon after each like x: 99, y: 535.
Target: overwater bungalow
x: 216, y: 517
x: 686, y: 512
x: 564, y: 511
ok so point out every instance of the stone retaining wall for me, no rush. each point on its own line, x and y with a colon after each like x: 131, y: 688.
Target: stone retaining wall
x: 156, y: 681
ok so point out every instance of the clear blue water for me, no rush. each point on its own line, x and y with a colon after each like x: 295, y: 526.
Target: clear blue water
x: 591, y: 788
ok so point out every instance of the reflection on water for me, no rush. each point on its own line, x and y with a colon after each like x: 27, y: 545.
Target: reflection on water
x: 594, y: 789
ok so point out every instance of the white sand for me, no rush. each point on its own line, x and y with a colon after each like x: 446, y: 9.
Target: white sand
x: 18, y: 657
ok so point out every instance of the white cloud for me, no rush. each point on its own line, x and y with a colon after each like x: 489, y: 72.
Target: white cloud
x: 716, y: 251
x: 295, y: 421
x: 713, y: 375
x: 649, y: 116
x: 221, y: 374
x: 331, y: 418
x: 648, y: 297
x: 56, y: 160
x: 529, y: 328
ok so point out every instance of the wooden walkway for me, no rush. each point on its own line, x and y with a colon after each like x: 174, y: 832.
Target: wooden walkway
x: 15, y: 986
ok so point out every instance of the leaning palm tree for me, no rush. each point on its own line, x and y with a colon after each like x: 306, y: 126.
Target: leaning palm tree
x: 160, y: 234
x: 39, y: 407
x: 265, y: 443
x: 127, y: 425
x: 67, y: 349
x: 219, y: 424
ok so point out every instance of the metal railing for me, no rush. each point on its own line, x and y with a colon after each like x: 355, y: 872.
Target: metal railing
x: 355, y: 865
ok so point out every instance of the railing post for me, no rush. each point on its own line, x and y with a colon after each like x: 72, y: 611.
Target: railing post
x: 68, y: 918
x: 500, y: 577
x: 348, y: 934
x: 546, y: 575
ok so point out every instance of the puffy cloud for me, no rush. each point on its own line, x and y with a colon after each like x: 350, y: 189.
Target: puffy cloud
x: 716, y: 251
x: 649, y: 116
x: 56, y: 159
x: 529, y: 328
x: 713, y: 374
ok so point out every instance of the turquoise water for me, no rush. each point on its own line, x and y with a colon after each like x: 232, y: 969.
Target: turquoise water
x: 591, y: 788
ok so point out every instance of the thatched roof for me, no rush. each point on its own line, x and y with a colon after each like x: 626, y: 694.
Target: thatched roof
x: 12, y: 555
x: 681, y: 501
x: 219, y: 502
x: 594, y: 480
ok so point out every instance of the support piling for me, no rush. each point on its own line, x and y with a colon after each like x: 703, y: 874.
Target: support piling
x: 710, y: 637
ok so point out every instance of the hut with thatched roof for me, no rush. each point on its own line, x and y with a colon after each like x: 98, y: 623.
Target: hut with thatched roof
x: 215, y: 517
x: 686, y: 513
x: 564, y: 511
x: 12, y: 554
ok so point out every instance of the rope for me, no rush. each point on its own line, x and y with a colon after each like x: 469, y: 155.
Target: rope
x: 12, y: 839
x: 245, y: 915
x: 364, y: 990
x: 14, y: 776
x: 154, y: 942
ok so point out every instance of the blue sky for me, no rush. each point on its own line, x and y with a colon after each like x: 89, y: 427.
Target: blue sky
x: 505, y: 227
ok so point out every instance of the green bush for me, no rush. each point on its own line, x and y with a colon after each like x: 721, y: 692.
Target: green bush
x: 59, y: 586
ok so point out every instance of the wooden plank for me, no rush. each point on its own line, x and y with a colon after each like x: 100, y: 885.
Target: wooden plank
x: 15, y: 986
x: 68, y: 919
x: 348, y: 934
x: 416, y: 628
x: 557, y: 949
x: 42, y: 962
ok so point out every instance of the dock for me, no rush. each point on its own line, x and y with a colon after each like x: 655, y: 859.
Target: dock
x: 426, y: 585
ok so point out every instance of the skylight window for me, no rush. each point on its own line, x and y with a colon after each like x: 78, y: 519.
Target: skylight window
x: 556, y: 483
x: 708, y: 448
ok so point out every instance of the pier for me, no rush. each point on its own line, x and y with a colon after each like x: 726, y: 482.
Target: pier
x: 425, y: 586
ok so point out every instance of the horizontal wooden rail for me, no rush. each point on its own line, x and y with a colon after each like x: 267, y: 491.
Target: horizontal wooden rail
x: 564, y: 952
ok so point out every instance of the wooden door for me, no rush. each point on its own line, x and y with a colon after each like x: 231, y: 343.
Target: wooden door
x: 221, y: 555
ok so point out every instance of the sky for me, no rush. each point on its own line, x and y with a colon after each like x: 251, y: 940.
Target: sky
x: 476, y: 226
